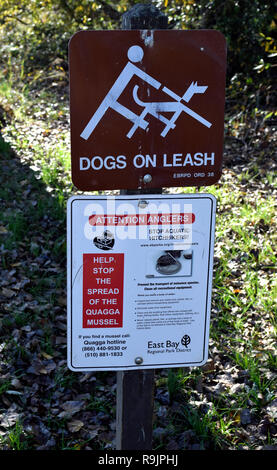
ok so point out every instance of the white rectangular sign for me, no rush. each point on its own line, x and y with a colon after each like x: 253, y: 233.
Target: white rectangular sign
x: 139, y: 280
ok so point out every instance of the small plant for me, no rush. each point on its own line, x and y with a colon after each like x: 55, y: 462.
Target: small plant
x: 18, y: 227
x: 5, y: 386
x: 65, y: 378
x: 173, y: 382
x: 18, y: 439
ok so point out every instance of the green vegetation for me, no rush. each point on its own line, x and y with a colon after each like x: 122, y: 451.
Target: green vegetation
x: 229, y: 403
x: 37, y: 34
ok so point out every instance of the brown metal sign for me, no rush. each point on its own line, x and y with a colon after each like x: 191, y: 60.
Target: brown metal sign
x: 146, y: 108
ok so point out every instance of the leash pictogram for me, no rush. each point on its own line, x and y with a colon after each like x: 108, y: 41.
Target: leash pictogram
x: 156, y: 109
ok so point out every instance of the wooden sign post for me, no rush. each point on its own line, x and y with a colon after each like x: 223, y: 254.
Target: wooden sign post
x: 135, y: 389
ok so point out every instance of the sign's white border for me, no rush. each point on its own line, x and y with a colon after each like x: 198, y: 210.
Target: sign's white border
x: 70, y: 235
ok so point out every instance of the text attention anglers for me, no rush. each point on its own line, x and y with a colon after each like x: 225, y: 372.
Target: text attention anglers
x: 111, y: 162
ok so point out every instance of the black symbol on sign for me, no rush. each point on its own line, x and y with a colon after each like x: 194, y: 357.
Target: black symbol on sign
x: 105, y: 242
x: 185, y: 340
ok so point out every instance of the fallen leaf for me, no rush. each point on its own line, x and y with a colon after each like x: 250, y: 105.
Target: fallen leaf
x: 70, y: 408
x: 62, y: 301
x: 75, y: 425
x: 47, y: 368
x: 46, y: 356
x: 7, y: 292
x: 10, y: 417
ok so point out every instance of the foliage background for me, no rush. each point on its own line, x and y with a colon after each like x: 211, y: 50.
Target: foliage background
x: 37, y: 32
x: 231, y: 402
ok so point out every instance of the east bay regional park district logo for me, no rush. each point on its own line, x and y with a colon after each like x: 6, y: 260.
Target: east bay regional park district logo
x: 150, y: 118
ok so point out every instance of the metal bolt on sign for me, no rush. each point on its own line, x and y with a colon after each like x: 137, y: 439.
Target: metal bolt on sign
x: 138, y: 360
x: 147, y: 178
x: 142, y: 204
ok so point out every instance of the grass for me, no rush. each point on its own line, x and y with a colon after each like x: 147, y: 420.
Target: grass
x: 64, y: 378
x: 18, y: 439
x: 243, y: 324
x: 211, y: 423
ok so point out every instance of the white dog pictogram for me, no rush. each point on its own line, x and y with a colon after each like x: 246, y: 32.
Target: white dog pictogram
x: 135, y: 54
